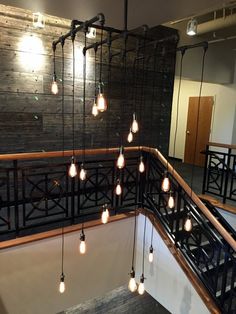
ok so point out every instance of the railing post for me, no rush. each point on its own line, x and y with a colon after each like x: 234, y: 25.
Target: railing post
x: 205, y: 169
x: 15, y: 184
x: 227, y: 176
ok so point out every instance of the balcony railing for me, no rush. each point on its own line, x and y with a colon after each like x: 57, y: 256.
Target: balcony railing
x: 220, y: 171
x: 37, y: 195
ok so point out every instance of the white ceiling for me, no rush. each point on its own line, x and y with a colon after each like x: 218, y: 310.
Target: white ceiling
x: 150, y: 12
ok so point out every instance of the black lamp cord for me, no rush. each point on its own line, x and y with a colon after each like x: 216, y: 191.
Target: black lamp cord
x: 62, y: 251
x: 84, y: 93
x: 198, y: 111
x: 100, y: 74
x: 177, y: 106
x: 63, y: 97
x: 108, y: 93
x: 153, y: 96
x: 124, y: 88
x: 135, y: 77
x: 95, y: 73
x: 134, y: 236
x: 54, y: 61
x: 144, y: 235
x: 152, y: 234
x: 73, y: 94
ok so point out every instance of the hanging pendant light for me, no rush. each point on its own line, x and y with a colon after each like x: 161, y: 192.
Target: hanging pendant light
x: 134, y: 126
x: 141, y: 288
x: 150, y: 255
x: 132, y: 283
x: 165, y: 186
x: 82, y: 246
x: 130, y: 136
x: 62, y: 284
x: 95, y: 109
x: 141, y: 166
x: 188, y: 224
x: 105, y: 214
x: 121, y: 158
x: 82, y: 173
x: 118, y: 189
x: 73, y: 168
x: 54, y: 86
x: 101, y: 100
x: 171, y: 200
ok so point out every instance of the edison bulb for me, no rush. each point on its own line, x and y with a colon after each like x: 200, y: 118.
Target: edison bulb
x: 62, y: 284
x: 83, y: 173
x: 73, y: 168
x: 101, y: 102
x: 132, y: 285
x: 120, y: 161
x: 82, y: 247
x: 188, y: 225
x: 54, y: 87
x: 150, y: 255
x: 118, y: 189
x: 171, y: 201
x: 134, y: 127
x: 95, y: 109
x: 130, y: 137
x: 141, y: 166
x: 141, y: 288
x: 105, y: 216
x: 165, y: 186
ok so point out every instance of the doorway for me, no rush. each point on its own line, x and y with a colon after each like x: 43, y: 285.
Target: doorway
x: 199, y: 114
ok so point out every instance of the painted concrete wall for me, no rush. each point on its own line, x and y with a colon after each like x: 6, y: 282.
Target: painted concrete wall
x: 165, y: 280
x: 230, y: 217
x: 223, y: 115
x: 30, y: 273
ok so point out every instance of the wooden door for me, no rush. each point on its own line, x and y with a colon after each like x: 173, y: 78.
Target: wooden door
x: 199, y: 121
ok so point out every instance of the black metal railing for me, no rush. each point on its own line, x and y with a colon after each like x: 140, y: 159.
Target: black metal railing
x: 37, y: 195
x: 208, y: 253
x: 220, y: 171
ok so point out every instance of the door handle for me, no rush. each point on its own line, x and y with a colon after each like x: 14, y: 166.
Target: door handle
x: 188, y: 132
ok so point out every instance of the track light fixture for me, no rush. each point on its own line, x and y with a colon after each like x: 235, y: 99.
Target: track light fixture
x: 192, y: 27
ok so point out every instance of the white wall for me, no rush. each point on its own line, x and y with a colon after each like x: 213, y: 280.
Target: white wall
x: 229, y: 217
x: 222, y: 116
x: 165, y: 280
x: 30, y: 273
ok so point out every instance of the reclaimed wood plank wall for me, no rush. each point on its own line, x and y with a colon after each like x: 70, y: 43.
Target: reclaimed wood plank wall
x: 31, y: 117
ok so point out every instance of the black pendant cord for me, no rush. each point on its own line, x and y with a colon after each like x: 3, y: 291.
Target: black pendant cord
x: 100, y: 74
x: 84, y: 96
x: 152, y: 234
x: 153, y: 98
x: 62, y: 250
x: 177, y: 106
x: 135, y: 79
x: 143, y: 98
x: 95, y: 73
x: 198, y: 112
x: 134, y: 237
x: 54, y: 62
x: 124, y: 90
x: 73, y: 95
x: 144, y: 236
x: 162, y: 96
x: 63, y: 97
x: 108, y: 93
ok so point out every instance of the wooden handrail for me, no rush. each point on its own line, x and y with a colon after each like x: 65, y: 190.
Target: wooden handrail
x: 232, y: 146
x: 194, y: 197
x: 155, y: 152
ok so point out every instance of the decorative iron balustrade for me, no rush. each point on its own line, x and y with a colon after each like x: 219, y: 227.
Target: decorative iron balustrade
x: 220, y: 172
x: 38, y: 195
x: 208, y: 253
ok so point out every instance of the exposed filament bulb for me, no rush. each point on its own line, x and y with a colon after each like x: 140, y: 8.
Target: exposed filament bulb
x: 105, y: 214
x: 130, y: 137
x: 54, y: 86
x: 118, y: 189
x: 134, y: 126
x: 82, y: 246
x: 171, y: 201
x: 132, y: 283
x: 141, y: 166
x: 62, y: 284
x: 121, y: 159
x: 101, y: 100
x: 83, y: 173
x: 141, y: 288
x: 150, y: 256
x: 73, y: 168
x: 188, y: 225
x: 95, y: 109
x: 165, y: 186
